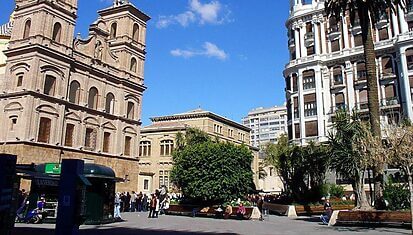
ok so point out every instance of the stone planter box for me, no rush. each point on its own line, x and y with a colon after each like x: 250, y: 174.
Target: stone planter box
x: 293, y: 211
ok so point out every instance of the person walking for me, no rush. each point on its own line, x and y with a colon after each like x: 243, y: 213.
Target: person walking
x: 152, y: 206
x: 157, y: 206
x: 139, y: 198
x: 117, y: 207
x: 145, y: 203
x: 260, y: 203
x: 133, y: 202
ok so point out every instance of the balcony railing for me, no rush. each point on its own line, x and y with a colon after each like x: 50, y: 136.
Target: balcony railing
x: 309, y: 39
x: 310, y: 112
x: 291, y: 42
x: 390, y: 101
x: 334, y: 29
x: 362, y: 75
x: 338, y: 107
x: 362, y: 106
x: 338, y: 80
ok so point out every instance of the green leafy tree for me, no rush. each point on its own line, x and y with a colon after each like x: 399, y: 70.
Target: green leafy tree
x: 212, y: 172
x: 346, y: 153
x: 302, y: 169
x: 369, y: 12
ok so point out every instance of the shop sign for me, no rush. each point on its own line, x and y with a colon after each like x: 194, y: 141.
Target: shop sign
x: 52, y: 168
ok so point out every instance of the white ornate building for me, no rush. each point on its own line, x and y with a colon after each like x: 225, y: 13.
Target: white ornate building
x: 67, y: 97
x: 326, y: 70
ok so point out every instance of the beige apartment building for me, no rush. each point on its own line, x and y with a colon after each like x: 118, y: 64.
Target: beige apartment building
x: 63, y: 96
x: 158, y: 140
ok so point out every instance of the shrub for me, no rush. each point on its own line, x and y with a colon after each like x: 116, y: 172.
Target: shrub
x: 336, y: 191
x: 397, y: 196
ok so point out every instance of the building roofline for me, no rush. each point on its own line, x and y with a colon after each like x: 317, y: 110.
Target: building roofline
x: 200, y: 114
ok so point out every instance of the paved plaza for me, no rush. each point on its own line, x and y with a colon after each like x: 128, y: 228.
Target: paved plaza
x: 139, y: 224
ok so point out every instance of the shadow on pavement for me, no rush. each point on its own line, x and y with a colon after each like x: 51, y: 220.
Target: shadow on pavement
x: 110, y: 231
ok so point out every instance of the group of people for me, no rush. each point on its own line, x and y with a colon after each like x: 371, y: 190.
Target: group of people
x: 156, y: 203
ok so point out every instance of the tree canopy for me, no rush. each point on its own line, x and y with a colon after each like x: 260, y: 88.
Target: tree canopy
x: 210, y: 171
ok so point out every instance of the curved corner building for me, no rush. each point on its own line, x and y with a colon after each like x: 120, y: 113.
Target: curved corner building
x: 326, y: 70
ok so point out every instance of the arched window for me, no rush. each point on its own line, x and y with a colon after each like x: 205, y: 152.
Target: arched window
x: 113, y: 30
x: 74, y: 92
x: 167, y: 147
x: 133, y: 65
x: 130, y: 110
x: 20, y: 79
x: 57, y: 31
x: 93, y: 98
x: 49, y: 85
x: 145, y: 148
x: 26, y: 31
x: 135, y: 33
x: 110, y: 103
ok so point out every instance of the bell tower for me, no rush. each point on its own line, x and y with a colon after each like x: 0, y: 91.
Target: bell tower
x: 127, y: 35
x: 44, y: 21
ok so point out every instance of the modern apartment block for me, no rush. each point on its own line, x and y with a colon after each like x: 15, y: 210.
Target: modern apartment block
x: 326, y: 70
x: 158, y: 141
x: 67, y: 97
x: 266, y: 124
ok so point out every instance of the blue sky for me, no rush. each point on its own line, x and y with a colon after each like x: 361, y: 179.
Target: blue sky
x: 226, y: 56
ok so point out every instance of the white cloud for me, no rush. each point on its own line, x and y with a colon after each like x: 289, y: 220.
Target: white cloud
x: 203, y: 13
x: 211, y: 50
x: 208, y: 49
x: 208, y: 12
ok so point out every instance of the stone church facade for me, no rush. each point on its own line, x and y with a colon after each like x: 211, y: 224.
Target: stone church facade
x: 62, y: 96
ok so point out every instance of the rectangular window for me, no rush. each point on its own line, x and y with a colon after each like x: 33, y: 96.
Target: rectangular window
x: 310, y: 109
x: 335, y: 45
x: 44, y: 130
x: 358, y: 40
x: 128, y: 141
x: 311, y: 129
x: 70, y: 128
x: 106, y: 142
x: 383, y: 34
x: 146, y: 184
x: 49, y: 85
x: 308, y: 83
x: 90, y: 139
x: 19, y: 80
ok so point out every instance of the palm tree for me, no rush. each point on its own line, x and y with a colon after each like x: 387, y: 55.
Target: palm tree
x: 345, y: 155
x: 369, y: 13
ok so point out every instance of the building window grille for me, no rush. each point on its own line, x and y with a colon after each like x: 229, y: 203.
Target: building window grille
x: 90, y: 138
x: 310, y: 109
x: 145, y: 148
x: 308, y: 83
x: 166, y: 147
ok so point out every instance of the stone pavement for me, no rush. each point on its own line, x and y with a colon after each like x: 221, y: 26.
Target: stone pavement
x: 139, y: 224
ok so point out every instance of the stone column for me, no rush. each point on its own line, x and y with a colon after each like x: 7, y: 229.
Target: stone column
x: 403, y: 24
x: 345, y: 32
x: 351, y: 99
x: 316, y: 39
x: 303, y: 49
x: 323, y: 37
x: 297, y: 43
x: 395, y: 24
x: 406, y: 98
x: 319, y: 100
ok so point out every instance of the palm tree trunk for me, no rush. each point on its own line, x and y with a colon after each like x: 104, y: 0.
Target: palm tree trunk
x: 373, y: 98
x: 361, y: 197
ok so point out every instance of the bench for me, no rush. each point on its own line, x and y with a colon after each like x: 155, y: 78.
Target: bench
x: 375, y: 218
x: 187, y: 210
